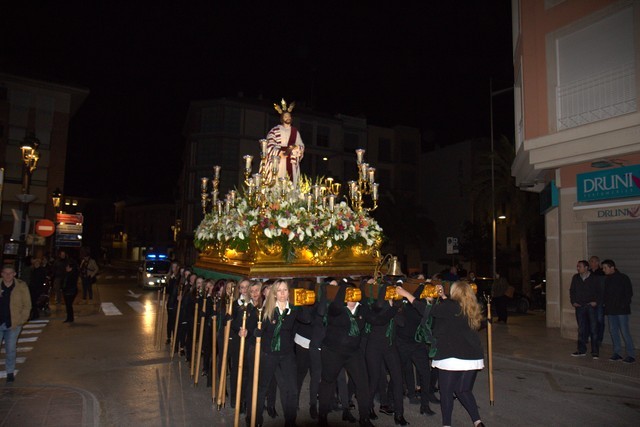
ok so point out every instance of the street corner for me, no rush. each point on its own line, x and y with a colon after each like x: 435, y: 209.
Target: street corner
x: 47, y: 405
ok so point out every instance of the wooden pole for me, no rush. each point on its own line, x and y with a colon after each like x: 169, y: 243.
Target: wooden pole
x: 225, y: 351
x: 256, y: 373
x: 236, y: 419
x: 175, y: 327
x: 192, y: 359
x: 490, y: 351
x: 161, y: 315
x: 201, y: 336
x: 214, y: 355
x: 155, y: 330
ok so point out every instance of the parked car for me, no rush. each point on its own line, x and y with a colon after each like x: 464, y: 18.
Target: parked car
x: 153, y: 272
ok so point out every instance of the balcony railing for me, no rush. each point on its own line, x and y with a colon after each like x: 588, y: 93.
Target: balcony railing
x: 599, y: 97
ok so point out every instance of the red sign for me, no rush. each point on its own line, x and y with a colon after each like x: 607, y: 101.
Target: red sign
x: 69, y: 218
x: 45, y: 228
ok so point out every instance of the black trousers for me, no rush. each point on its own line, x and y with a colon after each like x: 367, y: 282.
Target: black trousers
x: 500, y: 303
x: 68, y: 302
x: 309, y: 360
x: 171, y: 321
x: 415, y: 354
x: 332, y: 364
x: 233, y: 355
x: 379, y: 355
x: 461, y: 384
x: 282, y: 368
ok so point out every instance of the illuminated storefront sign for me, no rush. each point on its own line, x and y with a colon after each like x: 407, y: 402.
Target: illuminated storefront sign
x: 609, y: 184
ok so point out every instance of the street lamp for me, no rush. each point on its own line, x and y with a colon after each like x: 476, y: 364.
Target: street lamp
x: 493, y: 175
x: 30, y: 157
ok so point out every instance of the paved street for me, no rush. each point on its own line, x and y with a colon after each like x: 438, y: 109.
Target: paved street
x: 105, y: 370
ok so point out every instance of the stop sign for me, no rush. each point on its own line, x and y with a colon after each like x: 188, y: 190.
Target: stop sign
x: 45, y: 228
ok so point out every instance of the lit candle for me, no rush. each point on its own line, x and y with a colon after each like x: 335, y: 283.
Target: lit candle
x: 332, y: 201
x: 257, y: 179
x: 360, y: 155
x: 275, y: 163
x: 352, y: 187
x: 247, y: 161
x: 227, y: 206
x: 263, y: 147
x: 316, y: 191
x: 363, y: 171
x: 371, y: 174
x: 203, y: 184
x: 374, y: 190
x: 232, y: 197
x: 219, y: 205
x: 309, y: 198
x: 216, y: 172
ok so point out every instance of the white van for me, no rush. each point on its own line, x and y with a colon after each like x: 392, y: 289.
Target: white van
x: 153, y: 273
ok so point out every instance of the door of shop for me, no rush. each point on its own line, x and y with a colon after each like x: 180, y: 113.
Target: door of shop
x: 620, y: 241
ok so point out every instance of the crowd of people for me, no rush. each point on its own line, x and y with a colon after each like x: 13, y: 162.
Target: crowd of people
x: 353, y: 351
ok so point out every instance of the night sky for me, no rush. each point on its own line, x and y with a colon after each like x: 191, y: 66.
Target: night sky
x: 424, y: 64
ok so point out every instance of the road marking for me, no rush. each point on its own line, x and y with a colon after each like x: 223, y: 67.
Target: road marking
x: 109, y: 309
x: 28, y: 339
x: 133, y: 295
x: 18, y: 360
x: 29, y: 326
x: 38, y: 321
x: 19, y: 350
x: 3, y: 374
x: 31, y: 331
x: 137, y: 306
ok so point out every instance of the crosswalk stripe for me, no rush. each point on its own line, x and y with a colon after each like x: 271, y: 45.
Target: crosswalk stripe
x: 30, y: 326
x: 137, y: 306
x: 18, y: 360
x: 109, y: 309
x: 19, y: 349
x: 3, y: 374
x: 38, y: 321
x: 27, y: 339
x: 31, y: 331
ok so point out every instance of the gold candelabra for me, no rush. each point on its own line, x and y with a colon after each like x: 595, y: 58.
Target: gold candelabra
x: 265, y: 185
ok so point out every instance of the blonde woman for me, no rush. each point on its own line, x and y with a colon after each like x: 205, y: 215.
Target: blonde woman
x: 277, y: 358
x: 459, y: 354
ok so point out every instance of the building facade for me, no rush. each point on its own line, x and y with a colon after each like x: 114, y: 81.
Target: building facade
x: 221, y: 131
x: 578, y: 136
x: 44, y: 109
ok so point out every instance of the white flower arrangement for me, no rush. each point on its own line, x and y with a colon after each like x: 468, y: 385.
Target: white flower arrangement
x: 288, y: 220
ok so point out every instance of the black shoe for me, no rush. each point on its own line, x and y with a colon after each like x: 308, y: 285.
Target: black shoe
x: 385, y: 409
x: 346, y: 416
x: 432, y: 398
x: 271, y: 410
x: 426, y: 410
x: 399, y: 420
x: 313, y: 411
x: 10, y: 378
x: 366, y: 422
x: 373, y: 415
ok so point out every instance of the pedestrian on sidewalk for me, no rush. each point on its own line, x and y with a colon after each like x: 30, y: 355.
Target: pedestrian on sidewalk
x: 500, y: 297
x: 58, y: 272
x: 15, y: 308
x: 617, y: 306
x: 70, y: 288
x: 88, y: 271
x: 582, y: 294
x: 596, y: 270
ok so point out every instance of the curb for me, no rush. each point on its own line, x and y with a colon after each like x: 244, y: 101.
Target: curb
x: 581, y: 371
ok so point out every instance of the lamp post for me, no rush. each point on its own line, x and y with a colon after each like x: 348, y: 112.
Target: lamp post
x: 56, y: 200
x: 493, y: 176
x: 30, y: 157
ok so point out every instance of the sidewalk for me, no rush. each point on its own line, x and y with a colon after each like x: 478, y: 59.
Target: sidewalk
x: 526, y: 339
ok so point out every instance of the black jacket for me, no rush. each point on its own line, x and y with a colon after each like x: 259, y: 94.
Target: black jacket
x: 454, y: 336
x: 337, y: 337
